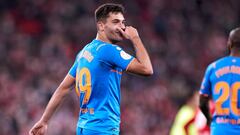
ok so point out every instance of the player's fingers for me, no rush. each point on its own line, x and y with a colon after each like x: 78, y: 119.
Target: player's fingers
x: 42, y: 131
x: 121, y: 30
x: 38, y: 132
x: 123, y: 33
x: 35, y: 129
x: 131, y: 29
x: 32, y: 132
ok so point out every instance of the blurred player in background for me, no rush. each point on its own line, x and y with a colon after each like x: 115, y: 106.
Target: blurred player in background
x: 201, y: 121
x: 190, y: 120
x: 184, y: 123
x: 96, y: 75
x: 221, y: 83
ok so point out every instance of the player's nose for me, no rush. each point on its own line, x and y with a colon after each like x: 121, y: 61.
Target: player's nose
x: 123, y: 26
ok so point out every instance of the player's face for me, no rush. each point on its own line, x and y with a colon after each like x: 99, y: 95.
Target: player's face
x: 114, y: 22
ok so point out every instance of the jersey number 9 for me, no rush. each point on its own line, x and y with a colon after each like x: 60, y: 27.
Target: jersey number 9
x: 83, y: 82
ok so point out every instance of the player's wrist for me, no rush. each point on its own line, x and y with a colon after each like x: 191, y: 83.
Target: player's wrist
x: 44, y: 121
x: 135, y: 38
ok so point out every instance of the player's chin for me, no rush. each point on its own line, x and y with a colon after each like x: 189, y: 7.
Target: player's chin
x: 118, y: 39
x: 114, y: 41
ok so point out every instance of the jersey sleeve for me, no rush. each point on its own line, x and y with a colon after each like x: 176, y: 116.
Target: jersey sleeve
x: 206, y: 83
x: 115, y: 56
x: 73, y: 69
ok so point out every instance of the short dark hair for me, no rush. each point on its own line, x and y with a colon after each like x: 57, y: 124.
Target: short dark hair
x: 234, y: 38
x: 102, y: 12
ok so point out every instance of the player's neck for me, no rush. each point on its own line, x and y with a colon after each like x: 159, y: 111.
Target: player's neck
x: 235, y: 53
x: 103, y: 38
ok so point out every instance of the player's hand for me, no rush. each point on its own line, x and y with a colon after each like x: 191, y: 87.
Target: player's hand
x: 40, y: 128
x: 129, y: 32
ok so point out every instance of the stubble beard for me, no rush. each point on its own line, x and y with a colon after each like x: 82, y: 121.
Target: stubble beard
x: 115, y: 40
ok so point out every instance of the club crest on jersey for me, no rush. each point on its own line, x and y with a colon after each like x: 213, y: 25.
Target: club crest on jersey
x: 118, y: 48
x: 124, y: 55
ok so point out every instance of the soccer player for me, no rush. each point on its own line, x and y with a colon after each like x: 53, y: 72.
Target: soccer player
x: 222, y: 83
x: 184, y: 123
x: 96, y: 74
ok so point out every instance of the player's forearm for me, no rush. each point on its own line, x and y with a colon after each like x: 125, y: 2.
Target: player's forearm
x: 53, y: 104
x: 141, y: 54
x: 204, y: 106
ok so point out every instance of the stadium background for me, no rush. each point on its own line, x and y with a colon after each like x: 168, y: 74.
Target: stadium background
x: 39, y: 40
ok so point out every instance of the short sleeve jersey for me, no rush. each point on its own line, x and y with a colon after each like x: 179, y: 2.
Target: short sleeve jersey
x: 97, y: 70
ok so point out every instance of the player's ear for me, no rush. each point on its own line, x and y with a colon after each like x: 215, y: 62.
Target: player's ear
x: 100, y: 26
x: 229, y: 46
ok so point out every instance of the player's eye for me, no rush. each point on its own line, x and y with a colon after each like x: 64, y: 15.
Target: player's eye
x: 115, y: 21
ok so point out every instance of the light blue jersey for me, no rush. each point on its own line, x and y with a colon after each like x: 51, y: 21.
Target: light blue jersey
x: 98, y: 70
x: 222, y: 83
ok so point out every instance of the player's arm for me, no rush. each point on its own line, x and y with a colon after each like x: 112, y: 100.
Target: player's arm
x: 41, y: 126
x: 204, y: 106
x: 141, y: 64
x: 205, y: 94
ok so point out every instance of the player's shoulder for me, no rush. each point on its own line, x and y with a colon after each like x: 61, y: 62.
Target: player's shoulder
x: 223, y: 59
x: 107, y: 47
x: 218, y: 62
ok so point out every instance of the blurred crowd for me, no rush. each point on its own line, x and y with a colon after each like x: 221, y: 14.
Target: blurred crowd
x: 39, y: 40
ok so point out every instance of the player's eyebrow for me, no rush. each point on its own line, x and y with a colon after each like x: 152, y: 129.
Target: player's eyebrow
x: 118, y: 20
